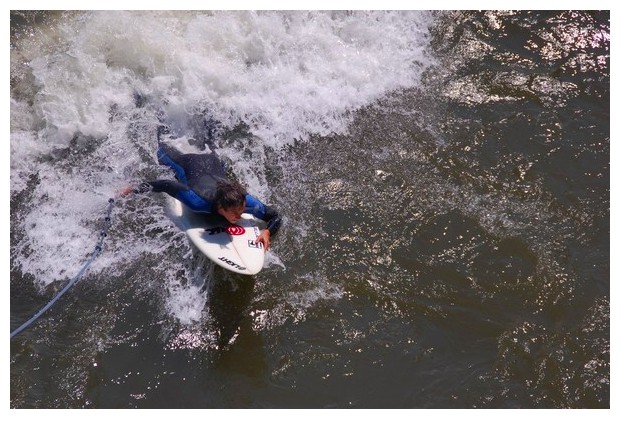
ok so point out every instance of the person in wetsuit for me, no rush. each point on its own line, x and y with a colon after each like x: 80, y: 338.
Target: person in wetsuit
x: 203, y: 187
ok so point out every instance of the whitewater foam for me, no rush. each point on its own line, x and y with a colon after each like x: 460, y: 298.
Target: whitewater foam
x: 102, y: 81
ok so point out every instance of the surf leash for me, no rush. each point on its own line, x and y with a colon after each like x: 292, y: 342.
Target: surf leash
x: 102, y: 235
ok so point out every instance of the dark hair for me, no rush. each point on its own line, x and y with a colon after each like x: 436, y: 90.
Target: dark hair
x: 228, y: 194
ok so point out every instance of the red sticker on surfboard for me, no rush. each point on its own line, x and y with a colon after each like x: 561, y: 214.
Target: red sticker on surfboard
x: 235, y: 230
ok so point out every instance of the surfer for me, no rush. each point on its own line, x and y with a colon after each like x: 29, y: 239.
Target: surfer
x: 203, y: 187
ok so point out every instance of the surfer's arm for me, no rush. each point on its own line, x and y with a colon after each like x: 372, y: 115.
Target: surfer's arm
x: 264, y: 212
x: 170, y: 187
x: 273, y: 219
x: 176, y: 190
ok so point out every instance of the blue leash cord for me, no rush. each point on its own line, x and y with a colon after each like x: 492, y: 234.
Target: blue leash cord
x: 96, y: 253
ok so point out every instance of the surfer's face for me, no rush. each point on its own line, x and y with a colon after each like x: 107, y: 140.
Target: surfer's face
x: 232, y: 214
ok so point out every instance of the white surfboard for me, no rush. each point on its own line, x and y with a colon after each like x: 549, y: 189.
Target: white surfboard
x: 233, y: 247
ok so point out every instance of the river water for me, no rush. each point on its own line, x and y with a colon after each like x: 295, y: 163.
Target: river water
x: 444, y: 179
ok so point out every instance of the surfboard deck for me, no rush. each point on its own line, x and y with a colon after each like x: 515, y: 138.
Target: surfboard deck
x: 233, y: 247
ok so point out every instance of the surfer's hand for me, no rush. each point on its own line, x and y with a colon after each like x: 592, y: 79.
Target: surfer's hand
x: 265, y: 238
x: 125, y: 191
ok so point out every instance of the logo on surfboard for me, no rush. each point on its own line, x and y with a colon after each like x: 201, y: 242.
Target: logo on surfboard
x: 254, y: 244
x: 230, y: 230
x: 235, y: 230
x: 231, y: 263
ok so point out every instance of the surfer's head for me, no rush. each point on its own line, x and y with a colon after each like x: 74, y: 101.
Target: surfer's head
x: 229, y: 200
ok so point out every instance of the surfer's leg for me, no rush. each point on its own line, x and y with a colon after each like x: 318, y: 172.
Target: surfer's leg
x: 197, y: 166
x: 191, y: 167
x: 172, y: 158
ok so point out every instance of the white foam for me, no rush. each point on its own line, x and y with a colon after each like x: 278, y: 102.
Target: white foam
x: 287, y: 75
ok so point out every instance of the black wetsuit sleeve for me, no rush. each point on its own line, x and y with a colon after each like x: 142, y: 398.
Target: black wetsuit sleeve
x: 171, y: 187
x: 264, y: 212
x: 273, y: 219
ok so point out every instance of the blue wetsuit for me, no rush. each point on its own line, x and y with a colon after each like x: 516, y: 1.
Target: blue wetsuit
x: 198, y: 175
